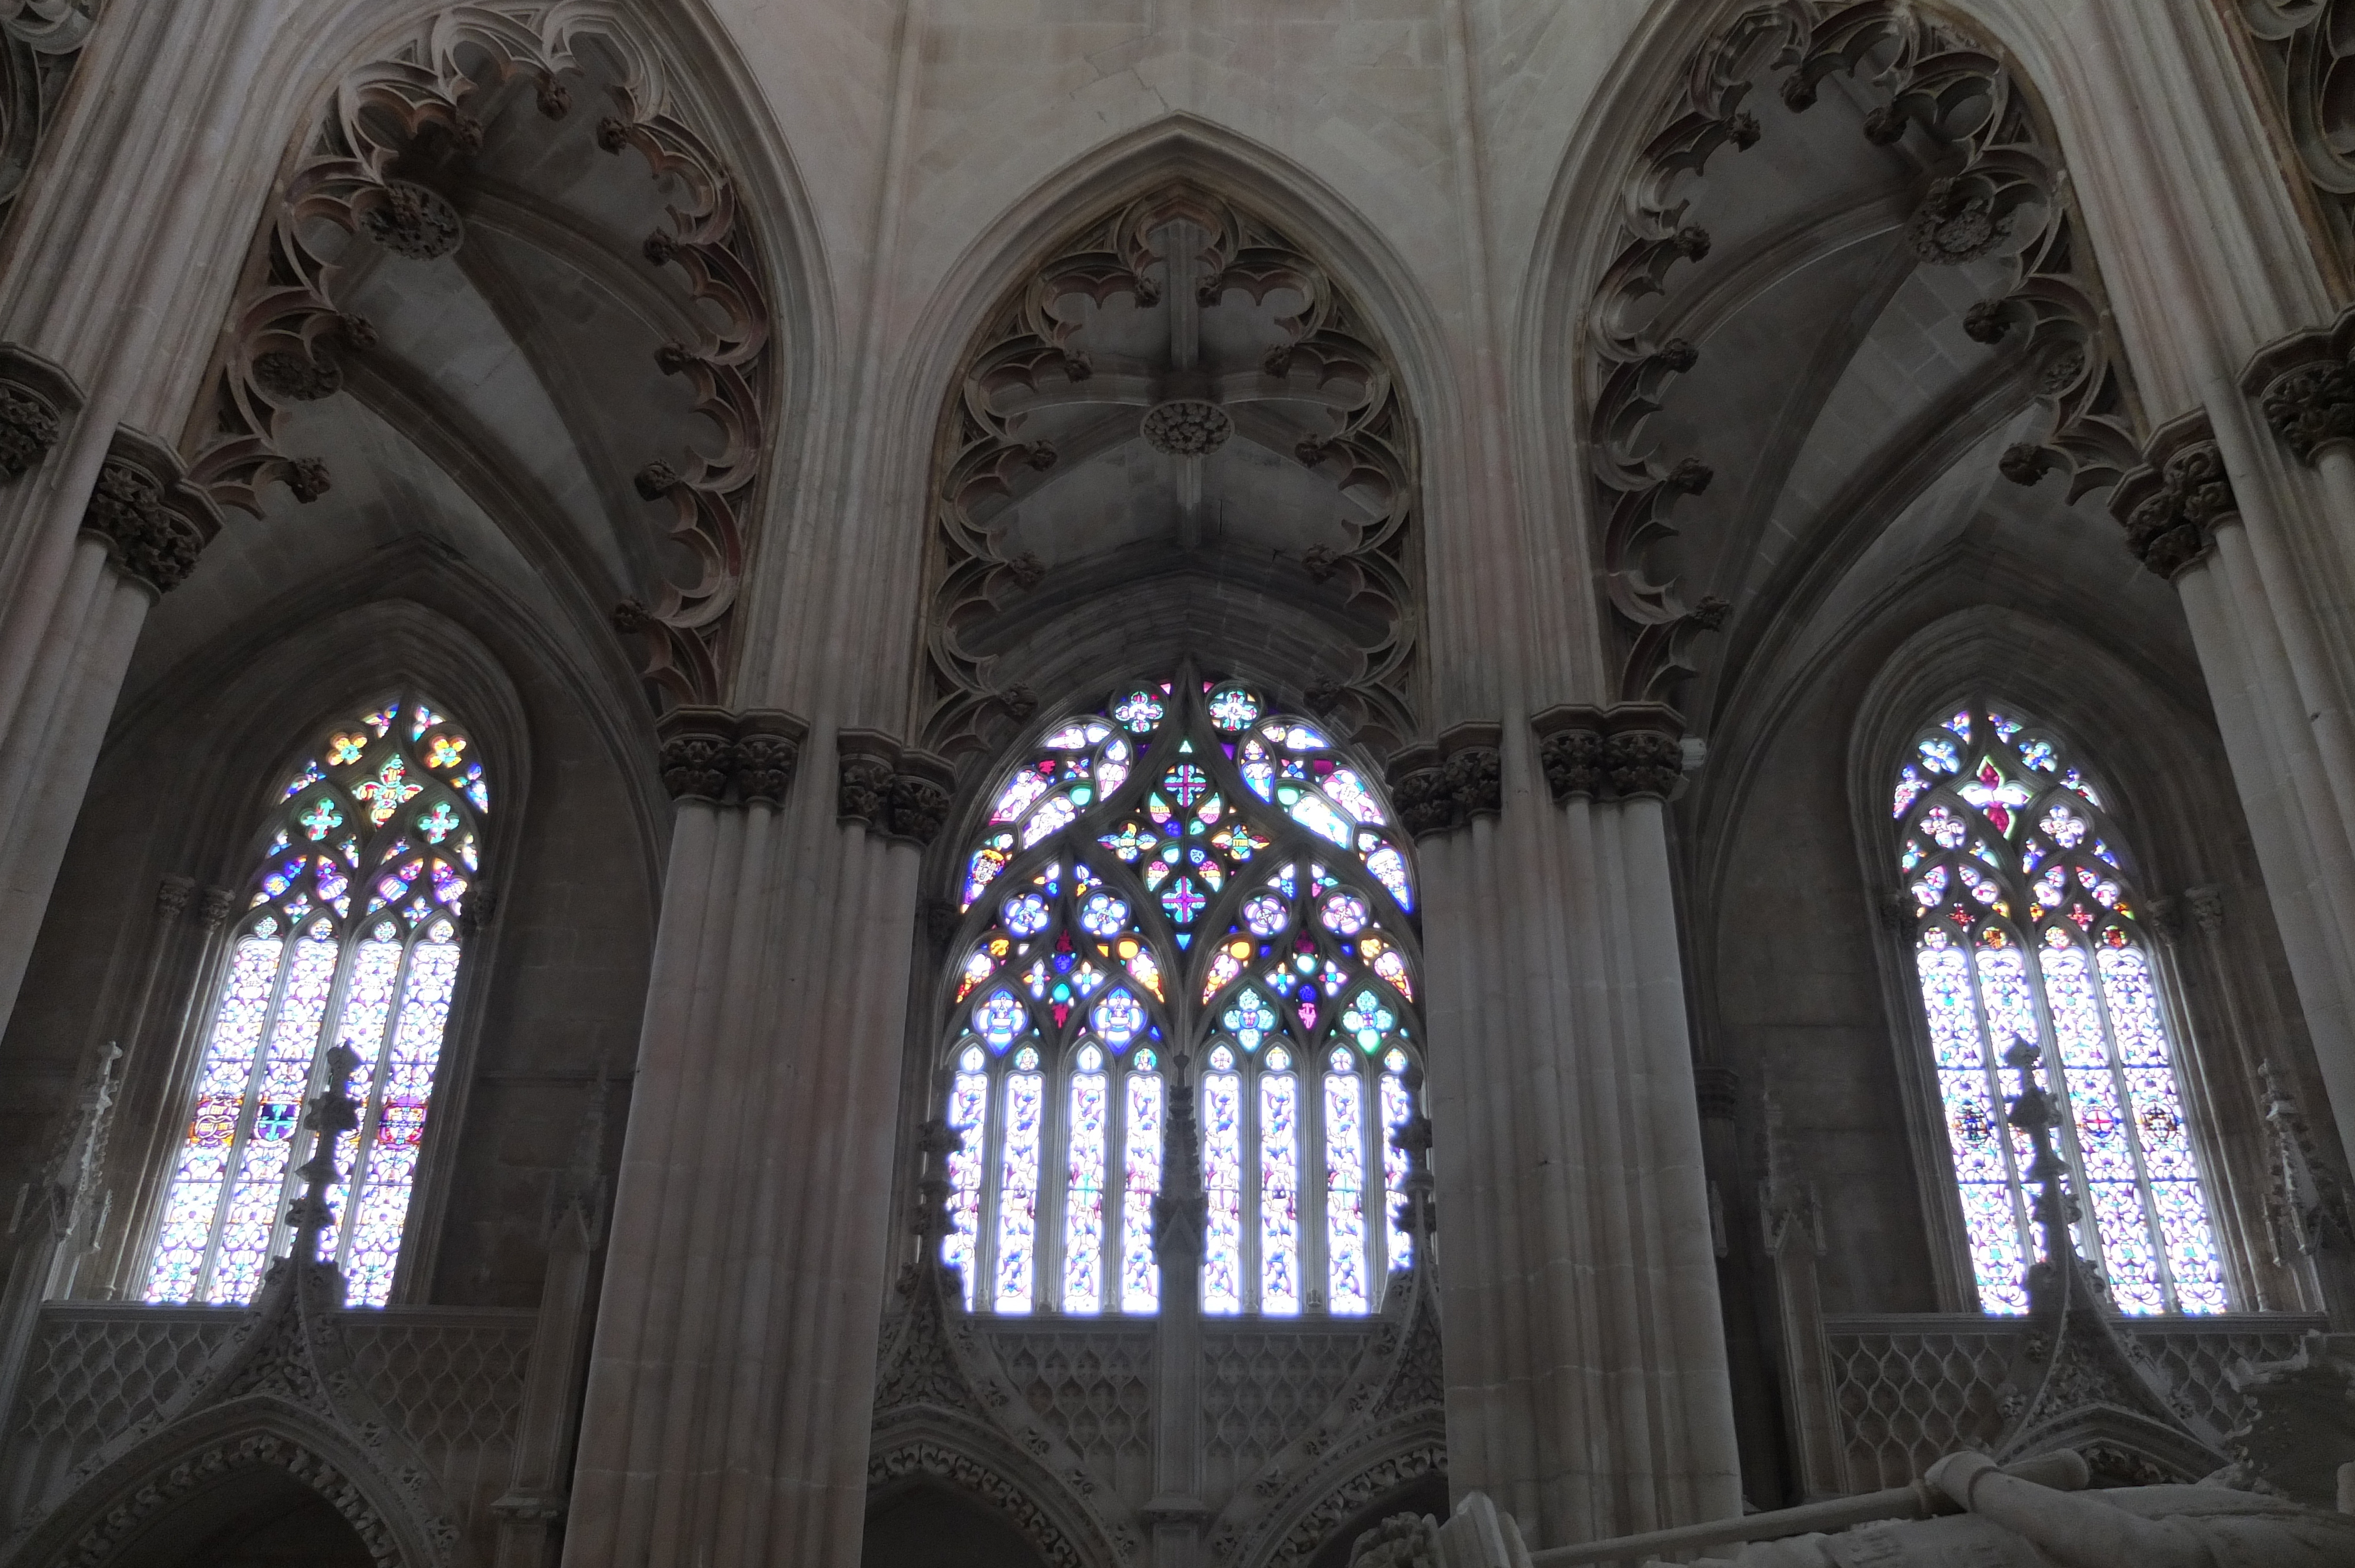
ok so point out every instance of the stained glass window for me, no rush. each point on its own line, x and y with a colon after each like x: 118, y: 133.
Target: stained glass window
x: 1186, y: 872
x: 2025, y: 926
x: 350, y: 935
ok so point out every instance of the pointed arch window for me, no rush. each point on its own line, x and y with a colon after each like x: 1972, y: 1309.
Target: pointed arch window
x: 1183, y: 875
x: 2026, y: 925
x: 351, y: 934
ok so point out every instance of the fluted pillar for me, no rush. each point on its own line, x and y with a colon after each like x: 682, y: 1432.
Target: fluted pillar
x: 1587, y: 1389
x: 731, y: 1383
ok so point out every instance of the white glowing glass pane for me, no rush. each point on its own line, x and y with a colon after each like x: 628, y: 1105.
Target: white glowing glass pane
x: 2177, y: 1201
x: 258, y: 1195
x: 1994, y: 1219
x: 194, y: 1198
x: 384, y: 1183
x: 969, y: 1120
x: 1017, y: 1191
x: 1398, y: 1109
x: 368, y: 1007
x: 1140, y: 1276
x: 1083, y: 1205
x: 1279, y: 1193
x: 1222, y: 1181
x: 1346, y: 1288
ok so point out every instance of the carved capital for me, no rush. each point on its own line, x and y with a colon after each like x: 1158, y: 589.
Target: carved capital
x: 2171, y: 506
x: 28, y: 428
x: 2305, y: 384
x: 1419, y: 790
x: 215, y: 908
x: 771, y: 745
x: 1643, y: 749
x: 1570, y: 748
x: 171, y: 896
x: 1441, y: 787
x: 920, y: 797
x: 865, y: 760
x: 154, y: 525
x: 699, y: 753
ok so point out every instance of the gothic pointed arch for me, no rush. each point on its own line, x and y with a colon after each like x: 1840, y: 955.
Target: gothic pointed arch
x: 1180, y: 429
x: 1186, y: 887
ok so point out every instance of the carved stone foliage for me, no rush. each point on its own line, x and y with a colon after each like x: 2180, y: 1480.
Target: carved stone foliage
x: 154, y: 524
x: 1617, y: 753
x: 395, y: 146
x: 1443, y: 787
x: 890, y: 789
x: 2302, y: 48
x: 280, y: 1392
x: 1186, y: 374
x: 2000, y: 189
x: 28, y: 428
x: 2171, y: 506
x: 721, y: 757
x: 2305, y: 384
x: 40, y: 42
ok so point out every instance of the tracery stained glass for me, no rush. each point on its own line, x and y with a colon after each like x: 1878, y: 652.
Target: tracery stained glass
x: 1346, y: 1288
x: 1140, y: 1276
x: 223, y: 1214
x: 1223, y: 1183
x: 2093, y: 1008
x: 1084, y: 1203
x: 1398, y: 1109
x: 1155, y: 806
x: 1017, y: 1189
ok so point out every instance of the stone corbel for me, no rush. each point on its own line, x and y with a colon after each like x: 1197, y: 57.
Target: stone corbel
x: 720, y: 757
x: 1441, y: 787
x: 1616, y: 753
x: 890, y: 789
x: 152, y: 522
x: 36, y: 394
x: 2171, y: 506
x: 2305, y: 384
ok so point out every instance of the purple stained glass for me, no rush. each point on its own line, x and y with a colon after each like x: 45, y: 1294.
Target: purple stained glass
x: 1315, y: 813
x: 1279, y: 1193
x: 1222, y: 1181
x: 1018, y: 1193
x: 2177, y: 1201
x: 193, y: 1200
x: 1345, y: 1288
x: 257, y: 1192
x: 381, y: 1211
x: 1083, y: 1205
x: 1351, y: 793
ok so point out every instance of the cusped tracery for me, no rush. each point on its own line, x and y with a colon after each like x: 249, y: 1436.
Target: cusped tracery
x: 2026, y: 927
x: 1183, y: 886
x: 351, y: 934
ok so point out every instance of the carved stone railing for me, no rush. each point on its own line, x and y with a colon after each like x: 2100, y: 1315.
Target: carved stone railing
x: 1909, y: 1388
x: 453, y: 1378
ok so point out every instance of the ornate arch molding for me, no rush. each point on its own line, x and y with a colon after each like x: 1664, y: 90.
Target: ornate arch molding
x: 279, y: 1395
x: 2001, y: 181
x: 2166, y: 802
x: 1033, y: 354
x: 40, y: 43
x: 397, y: 138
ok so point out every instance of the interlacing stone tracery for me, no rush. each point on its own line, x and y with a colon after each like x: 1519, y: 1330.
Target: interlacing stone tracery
x: 2000, y: 192
x: 391, y: 162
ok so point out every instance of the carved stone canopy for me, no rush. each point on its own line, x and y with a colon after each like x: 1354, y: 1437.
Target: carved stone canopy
x: 1176, y: 436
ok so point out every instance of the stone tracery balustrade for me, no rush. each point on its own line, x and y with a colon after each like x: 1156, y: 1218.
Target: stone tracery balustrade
x: 453, y: 1378
x: 1909, y: 1388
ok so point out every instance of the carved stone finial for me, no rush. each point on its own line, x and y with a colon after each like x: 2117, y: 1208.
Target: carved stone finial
x: 1957, y: 222
x: 1988, y: 322
x: 1027, y: 569
x: 1042, y: 455
x: 1322, y: 695
x: 1677, y: 355
x: 411, y: 220
x: 1185, y: 427
x: 1320, y: 562
x: 1021, y: 701
x: 2025, y: 462
x: 655, y: 480
x: 661, y: 246
x: 333, y: 1113
x: 1313, y: 450
x: 1411, y: 1137
x: 1691, y: 242
x: 554, y: 97
x: 613, y: 134
x: 28, y: 428
x: 308, y: 478
x: 1885, y: 126
x: 1690, y: 477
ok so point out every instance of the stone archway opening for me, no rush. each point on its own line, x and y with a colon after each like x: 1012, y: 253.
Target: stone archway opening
x: 932, y: 1526
x: 251, y: 1519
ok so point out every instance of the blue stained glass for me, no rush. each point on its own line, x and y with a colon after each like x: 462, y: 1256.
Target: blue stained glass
x: 1118, y: 1018
x: 1000, y: 1019
x: 1345, y: 1288
x: 1140, y: 1276
x: 1233, y: 709
x: 1084, y: 1189
x: 1312, y: 811
x: 1911, y: 787
x: 1938, y: 754
x: 1279, y: 1191
x: 1222, y: 1182
x: 1018, y: 1193
x: 1398, y: 1109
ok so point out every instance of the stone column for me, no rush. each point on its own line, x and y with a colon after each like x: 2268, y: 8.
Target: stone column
x: 731, y: 1381
x: 1587, y: 1387
x: 149, y: 181
x: 1177, y: 1512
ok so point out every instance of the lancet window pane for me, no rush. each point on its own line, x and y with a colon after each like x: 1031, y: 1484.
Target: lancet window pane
x: 1185, y: 846
x: 2004, y: 846
x: 1398, y: 1109
x: 1083, y: 1205
x: 387, y: 813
